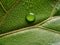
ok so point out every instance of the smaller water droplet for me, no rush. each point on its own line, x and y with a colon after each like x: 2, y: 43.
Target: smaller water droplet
x: 30, y: 17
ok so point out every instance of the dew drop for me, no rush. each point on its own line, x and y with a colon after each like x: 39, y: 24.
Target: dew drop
x: 30, y: 17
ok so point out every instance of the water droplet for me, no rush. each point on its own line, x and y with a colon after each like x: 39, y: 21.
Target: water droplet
x: 30, y: 17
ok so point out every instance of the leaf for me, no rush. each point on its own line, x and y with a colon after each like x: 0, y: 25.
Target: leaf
x: 57, y: 9
x: 32, y: 36
x: 16, y: 17
x: 45, y: 30
x: 1, y: 13
x: 7, y: 3
x: 54, y: 24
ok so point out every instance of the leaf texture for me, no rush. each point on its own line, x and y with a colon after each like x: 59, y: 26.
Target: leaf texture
x: 33, y: 36
x: 45, y: 30
x: 16, y: 17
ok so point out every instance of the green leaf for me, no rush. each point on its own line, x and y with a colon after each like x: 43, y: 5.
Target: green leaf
x: 8, y: 3
x: 5, y: 5
x: 1, y: 13
x: 44, y: 30
x: 16, y: 17
x: 54, y: 24
x: 33, y: 36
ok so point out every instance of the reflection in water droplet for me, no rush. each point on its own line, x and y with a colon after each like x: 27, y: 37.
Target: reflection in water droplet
x: 30, y: 17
